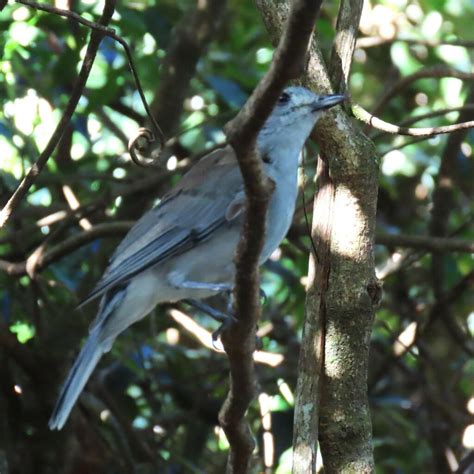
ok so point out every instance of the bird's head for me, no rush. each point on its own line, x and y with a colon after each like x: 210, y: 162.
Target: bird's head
x: 294, y: 116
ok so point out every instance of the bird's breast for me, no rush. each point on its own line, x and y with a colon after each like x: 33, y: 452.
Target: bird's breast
x: 280, y: 212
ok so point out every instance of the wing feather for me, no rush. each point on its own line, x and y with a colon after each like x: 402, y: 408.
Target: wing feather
x: 189, y: 214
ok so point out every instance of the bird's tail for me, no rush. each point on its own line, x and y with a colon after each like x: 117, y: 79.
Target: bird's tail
x: 78, y: 377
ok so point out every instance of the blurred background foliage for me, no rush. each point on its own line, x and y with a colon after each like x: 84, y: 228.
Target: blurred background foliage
x: 152, y: 404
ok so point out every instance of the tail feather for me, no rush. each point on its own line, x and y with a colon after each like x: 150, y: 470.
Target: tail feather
x: 77, y: 378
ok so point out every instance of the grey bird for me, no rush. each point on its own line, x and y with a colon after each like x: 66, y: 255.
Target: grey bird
x: 184, y: 247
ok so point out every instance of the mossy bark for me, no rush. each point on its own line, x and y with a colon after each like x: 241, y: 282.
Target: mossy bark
x: 331, y: 399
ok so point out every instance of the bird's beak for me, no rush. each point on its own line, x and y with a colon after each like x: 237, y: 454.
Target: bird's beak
x: 327, y: 101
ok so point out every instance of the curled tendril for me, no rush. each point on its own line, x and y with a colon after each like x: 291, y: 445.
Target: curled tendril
x: 143, y: 137
x: 141, y: 143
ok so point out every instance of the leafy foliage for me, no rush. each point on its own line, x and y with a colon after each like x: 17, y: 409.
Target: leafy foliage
x: 154, y: 400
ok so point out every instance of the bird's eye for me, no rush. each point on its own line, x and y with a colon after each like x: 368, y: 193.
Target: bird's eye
x: 284, y: 98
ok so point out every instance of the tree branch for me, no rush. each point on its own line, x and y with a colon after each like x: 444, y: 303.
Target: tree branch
x: 239, y: 341
x: 372, y: 41
x: 425, y: 242
x: 444, y: 196
x: 444, y: 201
x: 120, y: 228
x: 408, y: 258
x: 204, y: 337
x: 369, y: 119
x: 428, y: 115
x: 66, y: 247
x: 189, y: 41
x: 143, y: 137
x: 312, y: 352
x: 337, y: 397
x: 403, y: 145
x: 344, y: 43
x: 424, y: 73
x: 351, y: 293
x: 35, y: 170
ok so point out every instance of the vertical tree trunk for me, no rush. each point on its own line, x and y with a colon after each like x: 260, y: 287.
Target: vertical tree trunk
x: 344, y: 305
x: 331, y: 399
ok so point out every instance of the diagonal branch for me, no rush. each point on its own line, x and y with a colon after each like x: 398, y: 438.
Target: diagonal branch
x: 67, y: 246
x: 436, y: 72
x: 347, y: 27
x: 143, y: 137
x: 387, y: 127
x: 428, y: 115
x: 35, y: 170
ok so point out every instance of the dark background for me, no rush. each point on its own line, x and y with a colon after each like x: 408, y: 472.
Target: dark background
x: 152, y: 404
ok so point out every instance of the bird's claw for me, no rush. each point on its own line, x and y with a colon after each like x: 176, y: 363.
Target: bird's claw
x: 216, y: 335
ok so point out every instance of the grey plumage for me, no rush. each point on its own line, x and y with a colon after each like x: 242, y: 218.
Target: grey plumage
x: 184, y: 247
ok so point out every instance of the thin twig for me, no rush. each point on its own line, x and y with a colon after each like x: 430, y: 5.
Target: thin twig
x: 366, y: 117
x: 143, y: 137
x: 408, y: 258
x: 403, y: 145
x: 373, y: 41
x: 425, y: 116
x: 436, y: 113
x: 196, y: 331
x: 439, y: 71
x: 66, y: 247
x: 425, y: 242
x: 35, y: 170
x: 101, y: 27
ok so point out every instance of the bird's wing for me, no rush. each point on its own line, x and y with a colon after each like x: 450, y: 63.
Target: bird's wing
x: 208, y: 196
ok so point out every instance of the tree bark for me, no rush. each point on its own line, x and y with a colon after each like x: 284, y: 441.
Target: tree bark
x: 189, y: 41
x: 331, y: 396
x: 239, y: 340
